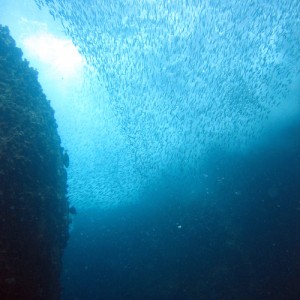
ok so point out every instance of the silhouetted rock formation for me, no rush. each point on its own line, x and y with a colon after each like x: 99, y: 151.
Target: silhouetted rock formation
x: 33, y: 183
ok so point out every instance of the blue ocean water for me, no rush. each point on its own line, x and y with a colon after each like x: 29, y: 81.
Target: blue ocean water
x: 238, y: 239
x: 187, y: 176
x: 184, y: 146
x: 166, y: 83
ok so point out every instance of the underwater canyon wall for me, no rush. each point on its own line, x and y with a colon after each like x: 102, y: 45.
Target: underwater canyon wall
x: 33, y: 183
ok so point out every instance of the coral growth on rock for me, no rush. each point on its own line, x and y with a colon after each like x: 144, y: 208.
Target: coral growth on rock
x: 33, y: 183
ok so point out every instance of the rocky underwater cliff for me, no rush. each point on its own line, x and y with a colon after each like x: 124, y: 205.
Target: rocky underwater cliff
x: 34, y: 211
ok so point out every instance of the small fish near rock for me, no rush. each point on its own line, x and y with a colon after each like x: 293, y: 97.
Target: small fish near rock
x: 66, y: 159
x: 72, y: 210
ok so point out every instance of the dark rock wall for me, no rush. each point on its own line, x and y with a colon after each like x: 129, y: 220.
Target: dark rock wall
x: 33, y: 183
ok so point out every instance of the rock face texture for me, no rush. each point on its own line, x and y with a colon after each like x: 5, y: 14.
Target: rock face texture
x: 34, y: 212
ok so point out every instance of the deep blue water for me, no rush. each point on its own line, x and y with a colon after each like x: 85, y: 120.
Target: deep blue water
x: 185, y: 165
x: 239, y: 241
x: 184, y: 148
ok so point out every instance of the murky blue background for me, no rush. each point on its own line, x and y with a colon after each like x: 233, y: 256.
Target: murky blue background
x: 181, y: 120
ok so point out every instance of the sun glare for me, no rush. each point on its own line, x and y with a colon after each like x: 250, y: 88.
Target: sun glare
x: 59, y: 54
